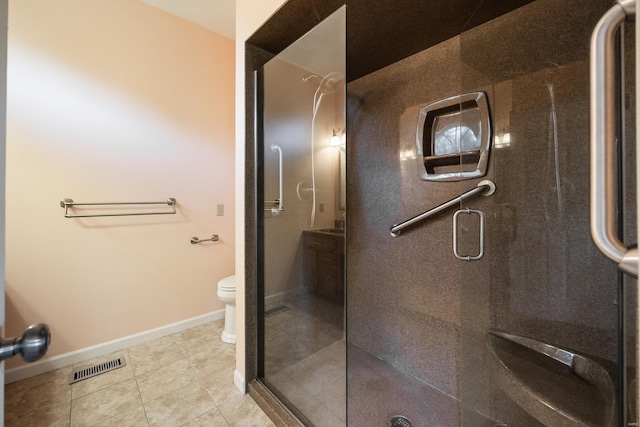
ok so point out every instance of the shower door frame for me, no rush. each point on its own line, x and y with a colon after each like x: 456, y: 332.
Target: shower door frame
x: 290, y: 22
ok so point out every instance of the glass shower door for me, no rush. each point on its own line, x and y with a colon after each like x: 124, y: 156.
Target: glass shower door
x: 302, y: 355
x: 547, y: 321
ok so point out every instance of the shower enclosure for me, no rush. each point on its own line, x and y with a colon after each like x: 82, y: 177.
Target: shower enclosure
x: 534, y: 332
x: 497, y: 308
x: 302, y: 298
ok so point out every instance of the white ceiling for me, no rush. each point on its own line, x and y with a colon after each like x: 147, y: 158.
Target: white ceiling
x: 216, y: 15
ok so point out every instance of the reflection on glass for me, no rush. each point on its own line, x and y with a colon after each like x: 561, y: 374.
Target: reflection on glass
x: 454, y: 139
x: 304, y: 245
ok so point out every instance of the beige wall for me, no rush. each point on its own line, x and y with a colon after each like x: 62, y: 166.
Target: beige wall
x: 115, y: 101
x: 250, y: 15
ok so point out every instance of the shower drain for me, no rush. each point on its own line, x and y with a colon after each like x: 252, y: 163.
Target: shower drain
x: 275, y: 310
x: 399, y: 421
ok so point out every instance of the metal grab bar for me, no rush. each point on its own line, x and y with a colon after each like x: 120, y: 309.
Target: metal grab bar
x: 603, y: 137
x: 69, y: 203
x: 213, y: 238
x: 274, y: 210
x: 278, y: 201
x: 485, y: 188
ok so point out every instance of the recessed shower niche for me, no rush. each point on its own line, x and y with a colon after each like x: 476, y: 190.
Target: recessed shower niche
x: 453, y: 138
x: 431, y: 338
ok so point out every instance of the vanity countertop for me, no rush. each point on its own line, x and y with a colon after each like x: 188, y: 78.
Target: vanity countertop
x: 339, y: 232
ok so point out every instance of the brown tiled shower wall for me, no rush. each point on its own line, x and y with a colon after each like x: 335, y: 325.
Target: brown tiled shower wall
x: 410, y: 302
x: 418, y: 319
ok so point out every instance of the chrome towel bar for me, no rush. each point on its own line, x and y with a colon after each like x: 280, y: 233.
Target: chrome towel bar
x: 69, y: 203
x: 213, y: 238
x: 485, y: 188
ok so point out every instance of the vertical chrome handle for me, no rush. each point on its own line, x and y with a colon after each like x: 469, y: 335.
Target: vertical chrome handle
x: 603, y: 137
x: 455, y: 235
x: 280, y: 208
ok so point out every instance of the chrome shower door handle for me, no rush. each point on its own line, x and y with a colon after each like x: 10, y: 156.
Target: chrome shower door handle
x: 603, y: 137
x: 32, y: 345
x: 481, y: 235
x: 280, y: 208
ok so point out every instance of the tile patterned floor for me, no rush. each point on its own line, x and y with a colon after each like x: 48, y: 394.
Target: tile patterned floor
x: 305, y: 358
x: 185, y: 379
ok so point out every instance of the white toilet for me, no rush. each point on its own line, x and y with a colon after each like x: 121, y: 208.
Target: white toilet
x: 227, y: 294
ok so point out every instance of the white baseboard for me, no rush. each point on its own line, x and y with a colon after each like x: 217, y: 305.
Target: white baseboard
x: 239, y: 382
x: 66, y: 359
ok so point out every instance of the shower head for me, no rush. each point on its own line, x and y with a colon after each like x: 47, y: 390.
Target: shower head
x: 329, y: 83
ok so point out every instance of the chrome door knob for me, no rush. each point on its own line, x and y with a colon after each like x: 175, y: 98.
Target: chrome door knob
x: 32, y: 345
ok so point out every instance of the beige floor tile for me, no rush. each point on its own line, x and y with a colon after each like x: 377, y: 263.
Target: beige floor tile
x: 218, y: 326
x: 133, y: 418
x: 295, y: 394
x: 209, y: 361
x: 242, y: 411
x: 334, y: 397
x: 55, y: 416
x: 101, y: 381
x: 336, y: 353
x: 212, y: 418
x: 287, y: 385
x: 321, y: 417
x: 58, y: 376
x: 220, y: 386
x: 103, y: 404
x: 316, y: 373
x: 162, y: 381
x: 154, y: 354
x: 158, y: 370
x: 283, y: 350
x: 314, y: 410
x: 198, y: 339
x: 40, y: 392
x: 179, y: 406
